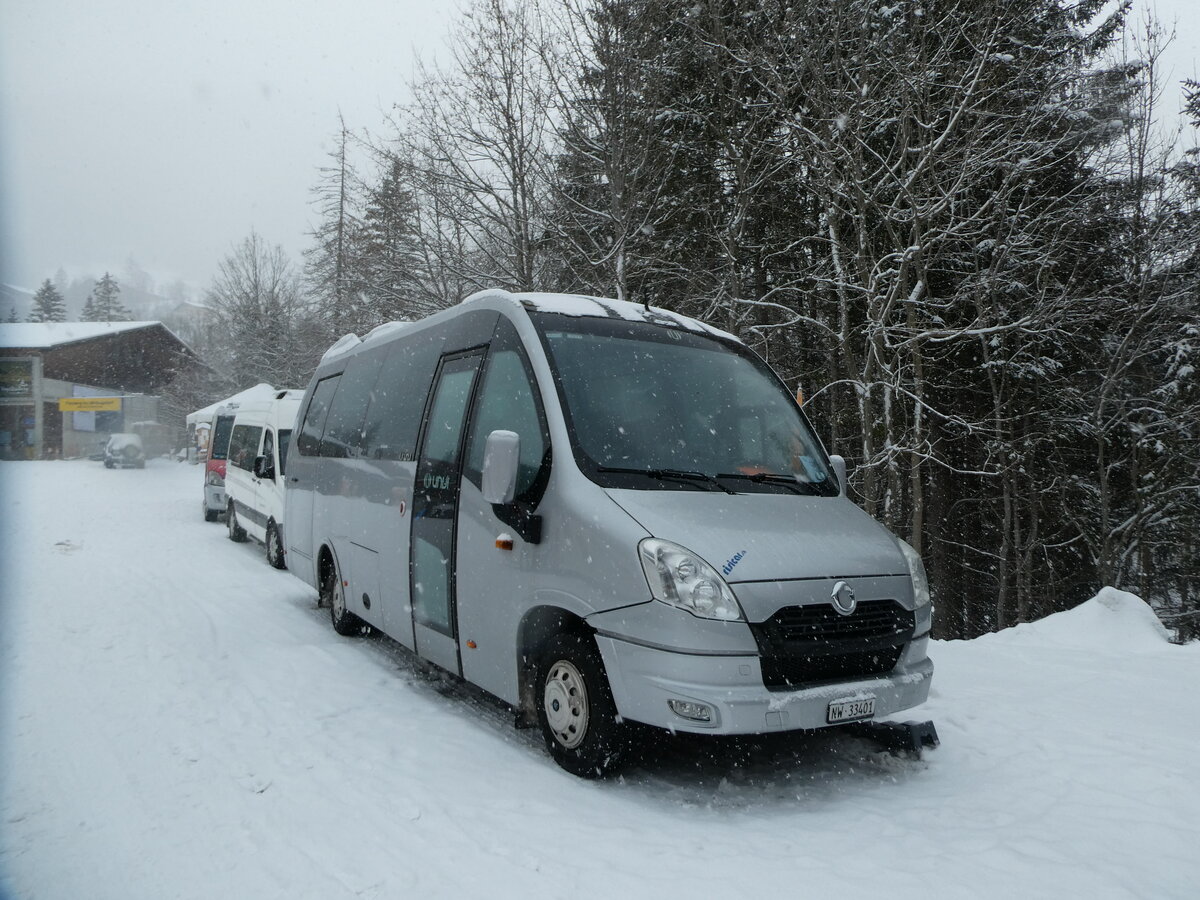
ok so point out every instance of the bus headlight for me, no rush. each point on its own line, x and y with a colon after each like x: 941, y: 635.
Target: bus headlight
x: 916, y: 570
x: 681, y: 578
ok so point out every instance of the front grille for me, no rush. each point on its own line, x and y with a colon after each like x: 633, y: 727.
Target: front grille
x: 802, y: 646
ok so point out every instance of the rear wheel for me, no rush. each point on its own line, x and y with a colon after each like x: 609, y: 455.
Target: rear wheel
x: 210, y: 515
x: 275, y: 547
x: 575, y: 708
x: 237, y: 533
x: 333, y: 593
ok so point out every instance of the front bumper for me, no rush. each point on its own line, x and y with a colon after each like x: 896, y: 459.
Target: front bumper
x: 644, y: 679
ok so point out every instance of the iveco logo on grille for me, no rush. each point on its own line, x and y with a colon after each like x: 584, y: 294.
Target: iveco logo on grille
x: 843, y: 598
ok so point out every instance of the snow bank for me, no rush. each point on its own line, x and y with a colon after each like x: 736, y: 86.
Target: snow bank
x: 1112, y: 620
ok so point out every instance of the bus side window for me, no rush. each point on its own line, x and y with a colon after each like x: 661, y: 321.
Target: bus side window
x: 508, y: 401
x: 308, y: 441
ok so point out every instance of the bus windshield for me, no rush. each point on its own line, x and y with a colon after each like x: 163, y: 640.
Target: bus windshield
x: 655, y: 407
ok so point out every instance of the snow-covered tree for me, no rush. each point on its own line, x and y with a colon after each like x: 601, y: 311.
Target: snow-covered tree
x: 479, y: 137
x: 104, y: 304
x: 272, y: 332
x: 331, y: 264
x: 48, y: 304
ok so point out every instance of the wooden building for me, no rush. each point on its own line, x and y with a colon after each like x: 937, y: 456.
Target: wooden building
x: 44, y: 362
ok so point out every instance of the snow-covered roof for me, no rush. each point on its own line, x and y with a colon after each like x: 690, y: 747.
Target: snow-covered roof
x: 600, y: 307
x: 261, y: 391
x: 44, y: 335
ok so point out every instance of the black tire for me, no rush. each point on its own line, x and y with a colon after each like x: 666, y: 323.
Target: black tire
x: 210, y: 515
x: 275, y: 554
x: 108, y: 464
x: 333, y: 595
x: 575, y: 708
x: 237, y: 533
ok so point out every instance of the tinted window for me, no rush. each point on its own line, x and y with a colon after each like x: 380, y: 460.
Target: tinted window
x: 446, y: 416
x: 507, y: 401
x: 343, y: 427
x: 243, y: 446
x: 308, y: 443
x: 285, y: 439
x: 269, y: 449
x: 394, y: 413
x: 220, y: 442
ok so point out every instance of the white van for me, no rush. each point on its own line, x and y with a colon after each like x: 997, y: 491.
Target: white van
x: 255, y: 468
x: 601, y: 514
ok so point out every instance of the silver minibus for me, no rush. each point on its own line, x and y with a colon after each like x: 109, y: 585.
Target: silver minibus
x: 602, y: 514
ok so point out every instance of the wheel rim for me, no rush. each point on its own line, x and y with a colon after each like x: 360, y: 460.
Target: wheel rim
x: 274, y: 549
x: 231, y: 519
x: 565, y: 702
x: 337, y: 600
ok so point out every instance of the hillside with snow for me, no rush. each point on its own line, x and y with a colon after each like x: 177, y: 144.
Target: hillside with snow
x: 177, y: 719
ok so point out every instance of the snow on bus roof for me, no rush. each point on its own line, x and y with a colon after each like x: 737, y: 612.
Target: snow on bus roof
x: 261, y: 391
x: 348, y: 342
x: 599, y: 307
x: 341, y: 345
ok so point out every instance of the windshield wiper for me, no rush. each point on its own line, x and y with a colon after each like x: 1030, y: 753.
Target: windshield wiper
x: 787, y: 481
x: 661, y: 474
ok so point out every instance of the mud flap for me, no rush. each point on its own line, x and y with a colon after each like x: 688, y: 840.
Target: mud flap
x: 907, y: 738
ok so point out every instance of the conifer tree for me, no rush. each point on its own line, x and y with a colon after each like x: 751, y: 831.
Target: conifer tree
x: 48, y: 304
x: 104, y: 304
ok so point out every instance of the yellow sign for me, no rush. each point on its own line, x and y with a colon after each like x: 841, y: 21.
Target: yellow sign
x: 89, y: 404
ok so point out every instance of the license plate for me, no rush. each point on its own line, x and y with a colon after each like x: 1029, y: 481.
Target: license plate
x: 850, y: 710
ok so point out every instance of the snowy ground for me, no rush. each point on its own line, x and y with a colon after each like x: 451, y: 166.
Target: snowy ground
x: 178, y: 720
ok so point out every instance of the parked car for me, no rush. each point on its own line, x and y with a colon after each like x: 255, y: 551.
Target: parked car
x: 254, y: 474
x: 124, y: 451
x: 600, y: 513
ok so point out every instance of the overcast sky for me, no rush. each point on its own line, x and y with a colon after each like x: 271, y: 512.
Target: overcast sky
x: 164, y: 132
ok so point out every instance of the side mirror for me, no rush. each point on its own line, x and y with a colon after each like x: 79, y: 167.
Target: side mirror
x: 263, y: 469
x: 501, y: 457
x: 839, y: 469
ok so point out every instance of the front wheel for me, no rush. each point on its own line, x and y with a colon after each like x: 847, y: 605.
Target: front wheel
x: 333, y: 593
x: 575, y: 708
x: 237, y: 533
x: 275, y: 547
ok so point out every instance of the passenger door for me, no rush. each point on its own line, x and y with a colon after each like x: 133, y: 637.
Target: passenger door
x: 263, y: 486
x: 435, y: 510
x: 499, y: 567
